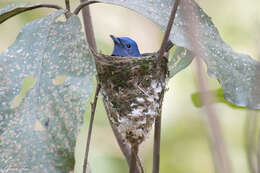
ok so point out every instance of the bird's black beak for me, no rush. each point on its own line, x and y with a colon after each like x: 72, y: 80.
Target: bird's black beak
x: 115, y: 40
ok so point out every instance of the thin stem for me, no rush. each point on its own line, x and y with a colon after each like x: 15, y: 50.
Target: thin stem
x: 221, y: 160
x: 157, y: 143
x: 167, y: 32
x: 157, y: 139
x: 67, y: 3
x: 157, y: 127
x: 134, y: 151
x: 139, y: 162
x: 68, y: 12
x: 47, y: 6
x: 258, y: 154
x: 252, y: 114
x: 91, y: 42
x: 93, y: 109
x: 88, y: 27
x: 82, y: 5
x: 250, y: 135
x: 30, y: 8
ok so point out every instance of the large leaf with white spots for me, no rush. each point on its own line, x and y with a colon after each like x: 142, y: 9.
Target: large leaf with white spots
x: 238, y: 74
x: 45, y: 82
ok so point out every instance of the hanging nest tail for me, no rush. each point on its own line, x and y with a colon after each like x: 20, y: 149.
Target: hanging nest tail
x: 132, y: 90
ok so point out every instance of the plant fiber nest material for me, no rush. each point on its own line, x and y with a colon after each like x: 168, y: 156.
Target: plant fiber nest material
x: 132, y: 90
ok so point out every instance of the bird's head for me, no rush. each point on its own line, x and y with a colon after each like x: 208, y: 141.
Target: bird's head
x: 125, y: 47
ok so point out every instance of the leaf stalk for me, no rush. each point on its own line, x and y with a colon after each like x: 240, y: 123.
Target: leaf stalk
x: 84, y: 4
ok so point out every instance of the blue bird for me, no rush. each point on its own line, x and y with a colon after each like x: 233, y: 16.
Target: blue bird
x: 125, y: 47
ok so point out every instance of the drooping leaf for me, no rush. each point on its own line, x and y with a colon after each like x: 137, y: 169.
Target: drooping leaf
x: 218, y: 98
x: 238, y: 74
x: 45, y: 82
x: 15, y: 9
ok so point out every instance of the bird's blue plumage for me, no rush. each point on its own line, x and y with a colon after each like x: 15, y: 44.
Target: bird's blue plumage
x: 125, y: 47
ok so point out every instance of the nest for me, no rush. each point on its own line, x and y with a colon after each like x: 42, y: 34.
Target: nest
x: 132, y: 90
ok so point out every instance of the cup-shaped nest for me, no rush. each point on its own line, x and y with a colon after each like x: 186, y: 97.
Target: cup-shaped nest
x: 132, y: 90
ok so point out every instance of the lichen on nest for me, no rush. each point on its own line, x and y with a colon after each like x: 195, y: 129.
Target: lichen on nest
x: 132, y: 90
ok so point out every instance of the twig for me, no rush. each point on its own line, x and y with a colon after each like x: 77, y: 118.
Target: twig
x: 134, y: 151
x: 67, y: 3
x: 31, y: 8
x: 88, y: 26
x: 139, y: 162
x: 157, y: 126
x: 93, y: 109
x: 167, y: 33
x: 157, y: 143
x: 68, y: 12
x: 221, y: 160
x: 91, y: 42
x: 157, y: 139
x: 47, y: 6
x: 144, y: 92
x: 82, y: 5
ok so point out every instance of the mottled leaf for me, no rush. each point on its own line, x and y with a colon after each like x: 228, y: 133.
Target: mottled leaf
x: 45, y: 82
x: 180, y: 60
x: 238, y: 74
x: 218, y: 98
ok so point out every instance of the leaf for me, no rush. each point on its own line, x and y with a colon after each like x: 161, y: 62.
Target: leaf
x: 218, y: 98
x: 18, y: 8
x: 238, y: 74
x: 50, y: 69
x: 180, y: 60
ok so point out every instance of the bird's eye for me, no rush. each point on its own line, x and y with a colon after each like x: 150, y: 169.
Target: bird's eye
x: 128, y: 45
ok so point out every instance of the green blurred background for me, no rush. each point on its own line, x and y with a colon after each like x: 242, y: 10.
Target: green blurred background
x: 184, y: 147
